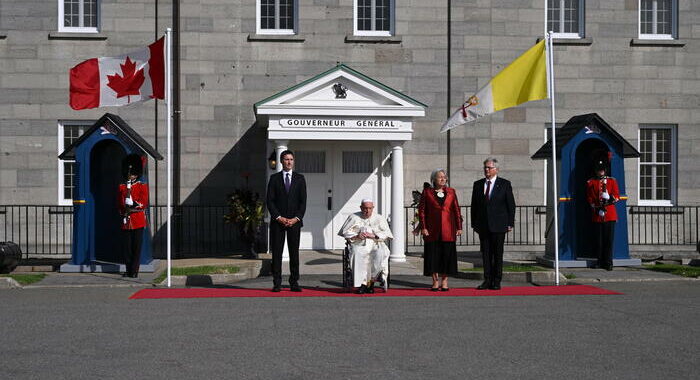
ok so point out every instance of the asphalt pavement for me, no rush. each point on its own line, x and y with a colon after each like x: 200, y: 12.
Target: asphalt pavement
x: 649, y: 332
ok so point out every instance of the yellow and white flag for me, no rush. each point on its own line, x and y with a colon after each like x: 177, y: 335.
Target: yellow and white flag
x: 525, y: 79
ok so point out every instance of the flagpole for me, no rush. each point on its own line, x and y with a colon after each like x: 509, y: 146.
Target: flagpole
x: 169, y: 113
x: 555, y: 194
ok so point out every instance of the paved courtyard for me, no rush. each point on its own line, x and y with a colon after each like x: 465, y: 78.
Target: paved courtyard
x: 97, y: 332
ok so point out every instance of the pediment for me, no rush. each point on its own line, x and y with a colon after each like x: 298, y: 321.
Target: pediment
x: 341, y: 91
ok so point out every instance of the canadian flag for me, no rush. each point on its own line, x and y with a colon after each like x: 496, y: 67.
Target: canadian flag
x: 118, y: 81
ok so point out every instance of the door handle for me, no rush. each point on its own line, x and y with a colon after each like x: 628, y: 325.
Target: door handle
x: 330, y: 203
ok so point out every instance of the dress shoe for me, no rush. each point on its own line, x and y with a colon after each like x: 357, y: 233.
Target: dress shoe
x: 435, y: 289
x: 484, y: 285
x: 445, y: 289
x: 495, y: 287
x: 276, y: 289
x: 295, y: 288
x: 134, y: 275
x: 370, y: 289
x: 361, y: 290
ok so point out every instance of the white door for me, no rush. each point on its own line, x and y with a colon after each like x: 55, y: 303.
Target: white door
x: 314, y: 161
x: 356, y: 177
x: 338, y: 176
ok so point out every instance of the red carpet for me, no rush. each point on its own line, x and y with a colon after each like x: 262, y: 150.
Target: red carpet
x: 564, y: 290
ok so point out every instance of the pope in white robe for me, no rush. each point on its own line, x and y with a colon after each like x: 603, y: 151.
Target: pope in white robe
x: 369, y: 255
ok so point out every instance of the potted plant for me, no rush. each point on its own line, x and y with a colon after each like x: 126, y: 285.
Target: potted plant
x: 246, y: 213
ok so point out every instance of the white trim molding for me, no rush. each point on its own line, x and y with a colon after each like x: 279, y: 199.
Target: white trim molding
x: 673, y: 165
x: 277, y: 30
x: 62, y: 28
x: 373, y: 32
x: 655, y: 35
x: 82, y: 125
x: 580, y: 19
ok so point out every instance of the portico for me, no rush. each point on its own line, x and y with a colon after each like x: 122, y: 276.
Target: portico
x: 347, y: 131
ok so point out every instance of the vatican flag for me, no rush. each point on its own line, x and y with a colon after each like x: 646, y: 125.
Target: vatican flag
x: 525, y: 79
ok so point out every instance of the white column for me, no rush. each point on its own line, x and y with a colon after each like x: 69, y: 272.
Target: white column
x: 281, y: 146
x: 398, y: 222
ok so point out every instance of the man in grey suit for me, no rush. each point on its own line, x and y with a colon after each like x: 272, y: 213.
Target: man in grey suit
x: 492, y: 216
x: 286, y: 202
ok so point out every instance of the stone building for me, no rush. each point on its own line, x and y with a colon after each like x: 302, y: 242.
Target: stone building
x: 634, y: 62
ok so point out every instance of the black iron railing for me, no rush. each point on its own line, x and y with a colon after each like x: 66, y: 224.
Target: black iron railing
x: 195, y: 229
x: 44, y: 230
x: 646, y: 225
x: 663, y: 225
x: 529, y: 229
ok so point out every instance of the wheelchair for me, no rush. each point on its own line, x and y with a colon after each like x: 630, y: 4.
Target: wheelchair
x: 382, y: 278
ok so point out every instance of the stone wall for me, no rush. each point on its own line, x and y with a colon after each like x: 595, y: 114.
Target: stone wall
x: 224, y: 72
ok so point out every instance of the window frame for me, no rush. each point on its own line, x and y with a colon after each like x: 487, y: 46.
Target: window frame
x: 581, y: 21
x: 657, y: 36
x: 61, y: 132
x: 375, y: 33
x: 278, y: 32
x: 673, y: 191
x: 79, y: 29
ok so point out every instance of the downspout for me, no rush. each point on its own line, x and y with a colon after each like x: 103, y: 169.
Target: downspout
x: 449, y: 79
x: 176, y: 126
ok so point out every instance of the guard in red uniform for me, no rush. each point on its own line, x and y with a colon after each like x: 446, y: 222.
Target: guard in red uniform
x: 133, y: 200
x: 602, y: 193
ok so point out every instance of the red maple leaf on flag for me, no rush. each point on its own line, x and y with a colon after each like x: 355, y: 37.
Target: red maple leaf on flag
x: 130, y: 83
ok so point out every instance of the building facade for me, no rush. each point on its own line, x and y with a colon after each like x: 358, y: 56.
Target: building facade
x: 634, y: 62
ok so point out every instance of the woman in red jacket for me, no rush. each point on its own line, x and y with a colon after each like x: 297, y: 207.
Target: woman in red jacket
x: 441, y: 223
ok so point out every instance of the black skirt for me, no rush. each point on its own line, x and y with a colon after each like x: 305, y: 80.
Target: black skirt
x: 440, y: 257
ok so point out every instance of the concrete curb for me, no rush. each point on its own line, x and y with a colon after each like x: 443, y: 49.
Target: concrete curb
x: 206, y: 279
x: 577, y: 281
x: 526, y: 277
x: 9, y: 283
x: 139, y: 285
x: 248, y: 271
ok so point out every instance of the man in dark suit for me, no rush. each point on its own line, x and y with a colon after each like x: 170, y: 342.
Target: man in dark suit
x: 492, y: 216
x: 286, y: 202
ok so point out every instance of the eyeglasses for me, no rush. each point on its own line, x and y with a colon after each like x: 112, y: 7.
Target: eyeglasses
x: 489, y: 167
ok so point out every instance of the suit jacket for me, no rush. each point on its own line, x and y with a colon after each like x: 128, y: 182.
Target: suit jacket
x: 594, y: 187
x: 441, y: 221
x: 281, y: 203
x: 134, y: 216
x: 496, y: 214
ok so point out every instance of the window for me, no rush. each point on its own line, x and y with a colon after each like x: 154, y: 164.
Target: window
x: 68, y: 132
x: 80, y: 16
x: 657, y: 148
x: 358, y: 162
x: 277, y: 16
x: 374, y: 17
x: 565, y: 18
x: 658, y: 19
x: 310, y: 161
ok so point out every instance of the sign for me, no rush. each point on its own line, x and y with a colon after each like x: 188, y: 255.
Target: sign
x: 340, y: 123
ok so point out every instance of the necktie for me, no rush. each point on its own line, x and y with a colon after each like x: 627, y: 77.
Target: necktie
x: 488, y: 190
x: 287, y: 182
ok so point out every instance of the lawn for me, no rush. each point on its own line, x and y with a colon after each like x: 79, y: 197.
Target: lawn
x: 205, y: 269
x: 26, y: 279
x: 678, y: 270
